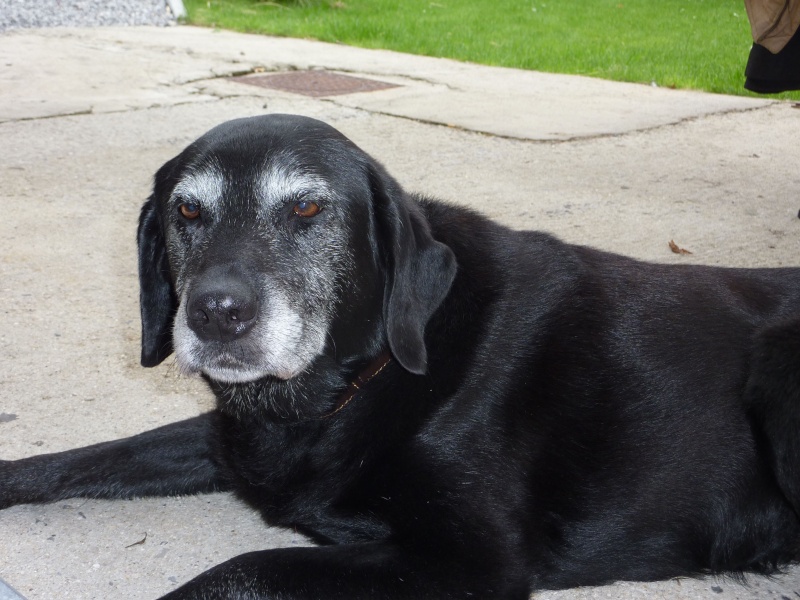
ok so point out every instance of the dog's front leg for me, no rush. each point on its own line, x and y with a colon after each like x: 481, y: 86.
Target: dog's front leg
x: 366, y: 571
x: 174, y: 459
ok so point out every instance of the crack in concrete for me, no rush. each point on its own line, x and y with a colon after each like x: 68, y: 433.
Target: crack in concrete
x: 77, y: 113
x: 576, y: 138
x: 217, y: 95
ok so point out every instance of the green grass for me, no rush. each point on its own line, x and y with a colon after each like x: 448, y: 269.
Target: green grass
x: 696, y: 44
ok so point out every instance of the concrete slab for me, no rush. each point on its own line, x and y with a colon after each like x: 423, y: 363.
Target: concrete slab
x: 123, y: 68
x: 722, y: 183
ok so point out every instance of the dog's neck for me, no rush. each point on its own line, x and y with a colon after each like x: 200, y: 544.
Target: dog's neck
x: 300, y: 399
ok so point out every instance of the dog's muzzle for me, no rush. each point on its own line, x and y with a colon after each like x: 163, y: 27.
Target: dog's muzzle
x: 222, y: 308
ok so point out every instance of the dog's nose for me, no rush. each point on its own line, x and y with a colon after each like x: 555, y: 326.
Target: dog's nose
x: 222, y: 311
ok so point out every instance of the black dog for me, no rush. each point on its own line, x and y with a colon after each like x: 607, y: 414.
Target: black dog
x: 451, y: 408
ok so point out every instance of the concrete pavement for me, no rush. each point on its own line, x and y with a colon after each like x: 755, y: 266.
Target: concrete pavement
x: 88, y: 115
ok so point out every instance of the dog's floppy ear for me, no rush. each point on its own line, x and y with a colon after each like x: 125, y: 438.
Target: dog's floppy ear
x: 421, y: 270
x: 157, y: 300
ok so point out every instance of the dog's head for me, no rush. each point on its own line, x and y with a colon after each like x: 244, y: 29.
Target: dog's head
x: 273, y: 240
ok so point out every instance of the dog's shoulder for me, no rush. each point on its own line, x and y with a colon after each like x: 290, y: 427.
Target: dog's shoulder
x: 502, y: 258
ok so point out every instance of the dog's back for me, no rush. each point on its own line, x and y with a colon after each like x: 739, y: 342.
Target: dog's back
x: 646, y: 413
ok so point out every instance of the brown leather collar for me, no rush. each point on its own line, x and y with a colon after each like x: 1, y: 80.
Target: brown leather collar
x: 370, y: 371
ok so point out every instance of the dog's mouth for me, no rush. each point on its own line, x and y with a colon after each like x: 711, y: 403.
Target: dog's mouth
x: 229, y: 372
x: 233, y: 376
x: 225, y: 367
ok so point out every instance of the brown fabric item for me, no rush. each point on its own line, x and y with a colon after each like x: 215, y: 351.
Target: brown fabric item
x: 768, y: 73
x: 773, y: 22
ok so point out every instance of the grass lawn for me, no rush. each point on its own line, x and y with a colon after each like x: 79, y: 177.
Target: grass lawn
x: 698, y: 44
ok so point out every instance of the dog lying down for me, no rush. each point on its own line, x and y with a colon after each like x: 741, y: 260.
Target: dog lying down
x: 451, y: 408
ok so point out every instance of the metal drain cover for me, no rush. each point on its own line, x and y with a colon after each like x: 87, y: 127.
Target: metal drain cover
x: 315, y: 83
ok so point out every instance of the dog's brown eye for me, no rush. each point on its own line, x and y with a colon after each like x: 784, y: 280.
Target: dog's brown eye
x: 189, y: 210
x: 306, y: 208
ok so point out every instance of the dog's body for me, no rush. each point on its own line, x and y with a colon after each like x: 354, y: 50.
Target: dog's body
x: 570, y: 417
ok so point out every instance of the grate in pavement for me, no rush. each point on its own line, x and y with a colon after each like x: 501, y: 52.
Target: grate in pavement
x: 315, y: 83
